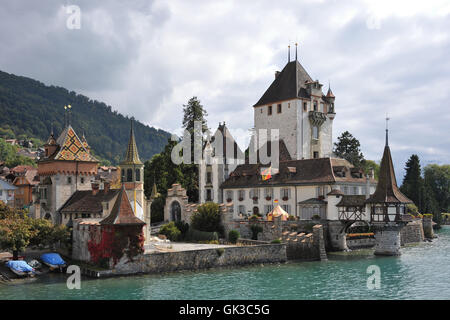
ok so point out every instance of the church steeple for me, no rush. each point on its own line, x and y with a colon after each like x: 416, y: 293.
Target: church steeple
x: 132, y: 155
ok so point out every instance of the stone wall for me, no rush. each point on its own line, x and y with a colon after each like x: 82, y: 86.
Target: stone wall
x: 412, y: 233
x: 199, y: 259
x: 305, y: 246
x: 428, y: 227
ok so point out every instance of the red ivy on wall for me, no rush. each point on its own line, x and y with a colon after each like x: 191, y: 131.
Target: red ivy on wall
x: 114, y: 241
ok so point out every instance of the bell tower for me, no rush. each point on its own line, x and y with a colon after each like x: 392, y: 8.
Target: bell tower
x: 132, y: 176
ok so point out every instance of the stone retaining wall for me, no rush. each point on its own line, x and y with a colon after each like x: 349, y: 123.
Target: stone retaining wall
x: 412, y: 233
x: 199, y: 259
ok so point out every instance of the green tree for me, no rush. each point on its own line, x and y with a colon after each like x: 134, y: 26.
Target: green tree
x: 437, y: 187
x: 348, y: 147
x: 207, y: 218
x: 368, y: 165
x: 412, y: 185
x: 194, y: 111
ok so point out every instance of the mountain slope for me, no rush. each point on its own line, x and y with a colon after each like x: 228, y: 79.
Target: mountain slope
x: 29, y: 107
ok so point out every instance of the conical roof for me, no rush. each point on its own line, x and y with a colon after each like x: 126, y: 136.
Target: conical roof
x: 122, y: 213
x: 132, y: 155
x: 387, y: 190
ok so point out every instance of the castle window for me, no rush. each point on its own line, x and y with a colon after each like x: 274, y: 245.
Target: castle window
x: 286, y: 207
x: 316, y: 154
x: 123, y: 175
x: 129, y: 175
x: 315, y: 132
x: 322, y: 107
x: 279, y: 108
x: 242, y: 210
x: 268, y: 208
x: 261, y: 110
x: 82, y: 180
x: 208, y: 195
x: 269, y: 110
x: 208, y: 177
x: 315, y: 105
x: 305, y: 106
x: 138, y: 175
x: 69, y: 180
x: 289, y: 105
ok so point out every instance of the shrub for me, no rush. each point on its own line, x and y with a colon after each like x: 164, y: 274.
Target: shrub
x: 183, y: 227
x: 255, y: 230
x: 291, y: 218
x: 412, y: 208
x: 253, y: 218
x: 316, y: 217
x: 207, y: 218
x: 276, y: 241
x: 170, y: 231
x: 233, y: 236
x: 196, y: 235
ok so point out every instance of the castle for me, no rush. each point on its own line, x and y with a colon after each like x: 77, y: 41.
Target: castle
x: 307, y: 172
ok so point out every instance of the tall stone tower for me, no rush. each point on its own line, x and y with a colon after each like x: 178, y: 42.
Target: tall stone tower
x: 295, y: 105
x: 66, y: 167
x: 132, y: 177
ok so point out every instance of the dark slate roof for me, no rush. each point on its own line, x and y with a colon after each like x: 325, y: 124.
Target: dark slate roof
x: 313, y: 201
x: 352, y: 201
x: 308, y: 171
x: 387, y: 190
x: 122, y: 213
x: 289, y: 84
x: 86, y: 202
x: 335, y: 192
x: 227, y: 139
x: 284, y: 154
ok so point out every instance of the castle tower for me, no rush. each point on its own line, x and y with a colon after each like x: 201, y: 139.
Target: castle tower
x: 66, y: 167
x: 132, y: 177
x: 295, y: 105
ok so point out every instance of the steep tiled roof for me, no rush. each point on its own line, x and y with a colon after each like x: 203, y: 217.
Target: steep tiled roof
x: 308, y: 171
x: 87, y: 202
x: 71, y: 147
x: 289, y: 84
x: 132, y: 155
x: 122, y: 213
x: 352, y: 201
x: 387, y: 190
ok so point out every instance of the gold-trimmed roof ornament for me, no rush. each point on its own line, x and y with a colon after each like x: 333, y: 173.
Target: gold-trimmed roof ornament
x: 132, y: 155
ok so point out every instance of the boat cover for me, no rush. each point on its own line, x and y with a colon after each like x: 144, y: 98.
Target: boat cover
x: 19, y: 265
x: 53, y: 258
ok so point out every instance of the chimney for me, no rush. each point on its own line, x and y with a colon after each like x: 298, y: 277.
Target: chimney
x: 367, y: 187
x: 95, y: 187
x: 277, y: 73
x: 106, y: 186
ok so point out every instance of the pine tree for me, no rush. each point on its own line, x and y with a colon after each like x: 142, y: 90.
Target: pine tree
x: 412, y: 185
x: 194, y: 111
x: 348, y: 147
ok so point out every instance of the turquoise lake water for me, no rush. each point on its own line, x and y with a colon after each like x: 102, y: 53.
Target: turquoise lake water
x: 421, y: 272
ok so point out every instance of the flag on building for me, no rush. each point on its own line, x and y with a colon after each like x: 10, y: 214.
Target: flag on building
x: 266, y: 173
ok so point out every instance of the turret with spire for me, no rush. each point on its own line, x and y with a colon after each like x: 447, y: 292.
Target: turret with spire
x: 132, y: 175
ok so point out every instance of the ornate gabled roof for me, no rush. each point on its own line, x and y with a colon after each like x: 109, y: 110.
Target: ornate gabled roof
x: 289, y: 84
x: 71, y: 147
x: 122, y: 213
x: 84, y: 141
x: 132, y: 155
x: 387, y: 190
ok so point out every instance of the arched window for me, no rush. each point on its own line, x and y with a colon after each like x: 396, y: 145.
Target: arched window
x: 129, y: 175
x: 138, y: 175
x: 315, y: 130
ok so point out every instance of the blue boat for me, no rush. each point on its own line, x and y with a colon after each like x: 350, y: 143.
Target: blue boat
x: 20, y: 267
x: 53, y: 261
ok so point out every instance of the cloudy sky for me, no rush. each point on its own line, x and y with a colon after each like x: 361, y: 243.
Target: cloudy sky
x: 147, y: 58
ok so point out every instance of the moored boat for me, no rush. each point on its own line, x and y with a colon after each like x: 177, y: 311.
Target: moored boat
x: 53, y: 261
x: 20, y: 268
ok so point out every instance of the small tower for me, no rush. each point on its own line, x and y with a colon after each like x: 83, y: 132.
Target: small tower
x: 132, y: 176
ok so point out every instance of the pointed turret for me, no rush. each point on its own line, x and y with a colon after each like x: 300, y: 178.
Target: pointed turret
x: 387, y: 190
x: 122, y: 212
x: 132, y: 155
x: 155, y: 193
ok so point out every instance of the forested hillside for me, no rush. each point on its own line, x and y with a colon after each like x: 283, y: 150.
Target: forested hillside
x: 29, y: 108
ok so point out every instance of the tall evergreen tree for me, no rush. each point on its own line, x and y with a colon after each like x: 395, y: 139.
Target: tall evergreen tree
x: 348, y: 147
x: 412, y: 185
x: 194, y: 111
